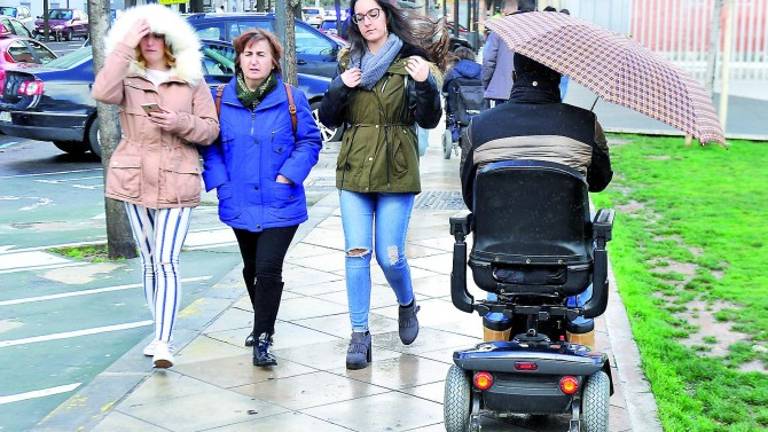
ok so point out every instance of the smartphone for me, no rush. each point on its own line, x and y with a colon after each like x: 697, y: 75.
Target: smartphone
x: 151, y: 107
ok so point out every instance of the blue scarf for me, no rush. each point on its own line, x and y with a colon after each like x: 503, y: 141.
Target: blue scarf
x: 374, y: 66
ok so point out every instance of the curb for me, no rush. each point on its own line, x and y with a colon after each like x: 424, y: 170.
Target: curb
x: 640, y: 402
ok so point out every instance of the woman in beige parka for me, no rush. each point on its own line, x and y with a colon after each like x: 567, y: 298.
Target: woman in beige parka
x: 153, y: 72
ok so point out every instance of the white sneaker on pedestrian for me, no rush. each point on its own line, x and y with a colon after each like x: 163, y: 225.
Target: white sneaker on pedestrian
x: 163, y: 359
x: 149, y: 350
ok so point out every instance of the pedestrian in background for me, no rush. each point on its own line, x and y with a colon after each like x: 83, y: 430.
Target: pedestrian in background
x: 153, y: 72
x: 498, y: 64
x: 385, y: 87
x: 258, y: 166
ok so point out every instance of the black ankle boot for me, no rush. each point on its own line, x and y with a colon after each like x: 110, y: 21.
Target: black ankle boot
x: 261, y: 355
x: 249, y: 340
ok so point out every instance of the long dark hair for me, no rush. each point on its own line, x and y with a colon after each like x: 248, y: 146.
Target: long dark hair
x: 411, y: 28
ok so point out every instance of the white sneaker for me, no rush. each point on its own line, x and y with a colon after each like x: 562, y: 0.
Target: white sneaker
x: 163, y: 359
x: 149, y: 350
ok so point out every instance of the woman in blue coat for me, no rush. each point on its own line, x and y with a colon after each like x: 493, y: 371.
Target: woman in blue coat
x: 257, y: 166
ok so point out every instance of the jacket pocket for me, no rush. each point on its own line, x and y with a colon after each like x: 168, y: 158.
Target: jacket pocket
x: 399, y: 157
x: 124, y: 178
x: 287, y: 201
x: 228, y: 206
x: 181, y: 183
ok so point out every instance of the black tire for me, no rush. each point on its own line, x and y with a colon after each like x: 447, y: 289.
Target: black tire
x: 71, y: 147
x: 69, y: 36
x: 447, y: 144
x: 595, y: 402
x: 328, y: 134
x: 92, y: 140
x: 457, y: 400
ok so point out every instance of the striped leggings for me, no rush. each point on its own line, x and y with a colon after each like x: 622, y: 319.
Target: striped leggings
x: 160, y: 234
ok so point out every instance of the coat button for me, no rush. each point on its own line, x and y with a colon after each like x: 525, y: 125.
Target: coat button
x: 256, y: 187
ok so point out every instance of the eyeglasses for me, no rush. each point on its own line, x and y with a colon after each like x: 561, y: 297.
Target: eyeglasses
x: 373, y: 14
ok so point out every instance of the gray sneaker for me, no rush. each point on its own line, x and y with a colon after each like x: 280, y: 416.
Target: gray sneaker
x: 359, y: 351
x: 408, y: 323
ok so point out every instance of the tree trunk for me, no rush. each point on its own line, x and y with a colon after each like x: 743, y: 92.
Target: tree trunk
x: 714, y: 47
x: 119, y: 239
x: 45, y: 21
x: 261, y: 5
x: 285, y: 14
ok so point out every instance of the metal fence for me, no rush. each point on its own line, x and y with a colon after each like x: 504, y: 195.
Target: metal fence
x: 679, y: 30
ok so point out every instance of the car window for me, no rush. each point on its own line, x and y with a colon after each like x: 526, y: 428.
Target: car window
x: 20, y: 53
x: 44, y: 55
x: 71, y: 59
x: 7, y: 23
x: 20, y: 30
x: 219, y: 60
x: 213, y: 32
x: 238, y: 28
x: 62, y: 14
x: 8, y: 11
x: 309, y: 42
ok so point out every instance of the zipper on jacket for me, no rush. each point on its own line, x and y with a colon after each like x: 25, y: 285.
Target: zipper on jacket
x: 253, y: 119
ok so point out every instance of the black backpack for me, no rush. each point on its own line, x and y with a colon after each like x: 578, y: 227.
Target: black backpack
x: 465, y: 99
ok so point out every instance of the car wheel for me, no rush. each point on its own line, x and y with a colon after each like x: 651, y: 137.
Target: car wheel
x: 71, y: 147
x: 328, y: 134
x: 93, y: 139
x: 69, y: 36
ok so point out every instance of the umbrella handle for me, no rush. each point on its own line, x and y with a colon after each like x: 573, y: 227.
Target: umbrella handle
x: 594, y: 103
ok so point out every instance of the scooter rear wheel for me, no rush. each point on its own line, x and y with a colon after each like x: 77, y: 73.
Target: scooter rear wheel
x: 457, y: 400
x: 595, y: 403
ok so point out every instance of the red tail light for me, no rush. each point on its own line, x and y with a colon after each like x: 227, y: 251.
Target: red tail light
x: 526, y: 366
x: 31, y: 88
x: 569, y: 385
x: 2, y: 80
x: 482, y: 380
x: 8, y: 57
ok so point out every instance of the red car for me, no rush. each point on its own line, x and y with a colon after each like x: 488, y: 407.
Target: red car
x: 19, y: 51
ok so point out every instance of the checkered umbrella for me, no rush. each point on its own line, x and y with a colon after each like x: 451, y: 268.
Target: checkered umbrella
x: 614, y: 67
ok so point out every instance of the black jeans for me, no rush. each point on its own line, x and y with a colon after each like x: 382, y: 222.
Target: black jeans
x: 263, y: 255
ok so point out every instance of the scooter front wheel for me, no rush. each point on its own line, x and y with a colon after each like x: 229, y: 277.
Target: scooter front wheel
x: 457, y: 401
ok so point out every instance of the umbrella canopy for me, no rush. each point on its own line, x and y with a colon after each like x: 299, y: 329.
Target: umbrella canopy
x: 614, y: 67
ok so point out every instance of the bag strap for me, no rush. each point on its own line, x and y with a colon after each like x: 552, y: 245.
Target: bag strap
x: 291, y: 107
x: 288, y: 91
x: 219, y: 93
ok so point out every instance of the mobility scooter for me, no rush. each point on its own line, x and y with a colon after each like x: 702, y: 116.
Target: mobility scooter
x: 534, y: 246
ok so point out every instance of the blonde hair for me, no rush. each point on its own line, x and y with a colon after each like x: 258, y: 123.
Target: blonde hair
x: 170, y: 59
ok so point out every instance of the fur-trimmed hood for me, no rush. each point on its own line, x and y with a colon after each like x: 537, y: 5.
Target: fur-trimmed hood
x: 179, y: 36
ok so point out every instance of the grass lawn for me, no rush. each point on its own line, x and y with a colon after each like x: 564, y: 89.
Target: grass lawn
x: 690, y: 253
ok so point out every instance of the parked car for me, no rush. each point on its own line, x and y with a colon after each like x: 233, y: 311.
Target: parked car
x: 315, y: 52
x: 14, y: 27
x: 313, y: 15
x: 63, y: 24
x: 20, y: 50
x: 53, y: 102
x: 21, y: 13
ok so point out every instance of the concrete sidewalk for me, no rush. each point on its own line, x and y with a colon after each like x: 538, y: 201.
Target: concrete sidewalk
x: 214, y: 386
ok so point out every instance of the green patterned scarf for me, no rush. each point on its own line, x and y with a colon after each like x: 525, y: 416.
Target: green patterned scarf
x: 252, y: 98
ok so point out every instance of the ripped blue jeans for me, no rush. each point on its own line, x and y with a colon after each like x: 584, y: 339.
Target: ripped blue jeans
x: 385, y: 215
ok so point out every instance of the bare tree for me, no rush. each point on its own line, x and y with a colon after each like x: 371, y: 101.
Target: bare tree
x: 119, y: 239
x: 285, y: 17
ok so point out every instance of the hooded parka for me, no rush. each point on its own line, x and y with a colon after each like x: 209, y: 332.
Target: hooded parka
x: 152, y: 167
x: 379, y: 148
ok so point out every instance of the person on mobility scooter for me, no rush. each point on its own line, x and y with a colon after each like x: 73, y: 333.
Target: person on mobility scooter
x: 539, y: 254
